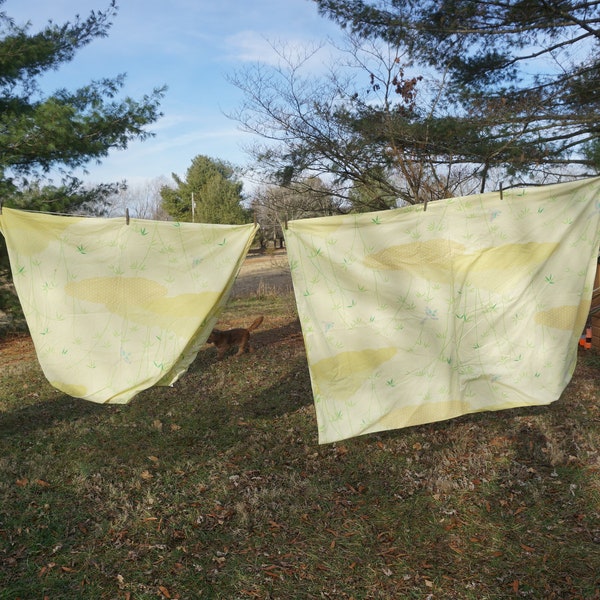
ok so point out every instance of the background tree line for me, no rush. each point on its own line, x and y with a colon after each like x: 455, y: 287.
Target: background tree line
x: 425, y: 100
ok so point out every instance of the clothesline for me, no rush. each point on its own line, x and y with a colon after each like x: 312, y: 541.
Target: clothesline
x: 406, y: 320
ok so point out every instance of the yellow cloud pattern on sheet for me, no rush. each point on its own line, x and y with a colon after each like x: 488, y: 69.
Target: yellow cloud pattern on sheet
x: 143, y: 301
x: 341, y: 375
x: 476, y: 304
x: 569, y: 317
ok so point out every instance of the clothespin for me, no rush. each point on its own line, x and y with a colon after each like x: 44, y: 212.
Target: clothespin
x: 501, y: 198
x: 424, y: 205
x: 127, y: 216
x: 285, y: 224
x: 0, y: 207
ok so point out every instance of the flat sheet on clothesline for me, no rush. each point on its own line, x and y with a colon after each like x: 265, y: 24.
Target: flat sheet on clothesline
x: 115, y: 308
x: 476, y: 304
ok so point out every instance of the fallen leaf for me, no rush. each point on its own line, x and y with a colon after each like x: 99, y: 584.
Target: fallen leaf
x: 341, y: 450
x: 146, y: 475
x: 164, y: 591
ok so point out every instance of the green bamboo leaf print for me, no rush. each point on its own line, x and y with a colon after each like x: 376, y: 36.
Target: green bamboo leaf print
x: 223, y: 242
x: 82, y: 249
x: 144, y: 231
x: 337, y: 416
x: 550, y: 279
x: 376, y: 220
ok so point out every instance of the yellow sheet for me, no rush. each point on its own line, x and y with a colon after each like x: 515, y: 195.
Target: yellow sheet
x: 115, y: 308
x: 413, y: 316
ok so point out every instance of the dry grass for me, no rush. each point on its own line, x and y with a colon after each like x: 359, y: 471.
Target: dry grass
x: 217, y: 488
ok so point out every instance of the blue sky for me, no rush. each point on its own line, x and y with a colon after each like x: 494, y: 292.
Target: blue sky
x: 188, y: 45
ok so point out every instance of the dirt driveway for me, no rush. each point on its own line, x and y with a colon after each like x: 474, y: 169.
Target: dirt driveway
x: 261, y: 273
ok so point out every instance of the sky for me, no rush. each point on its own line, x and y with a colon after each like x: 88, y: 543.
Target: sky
x: 191, y: 46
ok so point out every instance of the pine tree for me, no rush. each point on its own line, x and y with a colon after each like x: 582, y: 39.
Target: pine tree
x: 212, y: 185
x: 63, y: 130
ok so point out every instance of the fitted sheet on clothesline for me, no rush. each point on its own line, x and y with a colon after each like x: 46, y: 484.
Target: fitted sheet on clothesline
x: 413, y: 316
x: 115, y: 308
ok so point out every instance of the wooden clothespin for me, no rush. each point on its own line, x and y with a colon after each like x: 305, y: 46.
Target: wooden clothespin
x: 127, y: 216
x: 501, y: 195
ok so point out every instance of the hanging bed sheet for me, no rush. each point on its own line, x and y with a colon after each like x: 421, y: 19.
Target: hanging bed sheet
x: 476, y: 304
x: 114, y: 308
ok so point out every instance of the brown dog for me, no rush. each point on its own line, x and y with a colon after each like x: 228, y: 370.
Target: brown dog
x: 239, y: 337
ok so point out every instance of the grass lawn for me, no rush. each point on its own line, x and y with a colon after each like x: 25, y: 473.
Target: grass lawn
x: 217, y: 488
